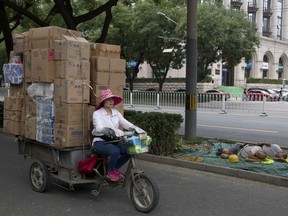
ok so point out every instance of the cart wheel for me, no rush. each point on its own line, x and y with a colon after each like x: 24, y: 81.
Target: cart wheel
x: 144, y: 194
x: 39, y: 176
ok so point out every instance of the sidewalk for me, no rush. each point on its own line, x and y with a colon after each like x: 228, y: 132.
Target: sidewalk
x: 266, y: 178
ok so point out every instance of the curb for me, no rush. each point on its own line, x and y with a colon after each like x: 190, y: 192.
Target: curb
x: 266, y: 178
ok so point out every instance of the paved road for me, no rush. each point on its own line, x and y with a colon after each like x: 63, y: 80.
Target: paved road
x: 243, y: 125
x: 184, y: 192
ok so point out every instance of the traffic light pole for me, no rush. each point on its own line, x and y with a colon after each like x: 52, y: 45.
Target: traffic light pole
x: 191, y: 72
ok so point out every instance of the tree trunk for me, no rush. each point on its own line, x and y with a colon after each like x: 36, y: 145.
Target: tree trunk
x: 4, y: 24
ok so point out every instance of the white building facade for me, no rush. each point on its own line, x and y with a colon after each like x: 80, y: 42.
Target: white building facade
x: 270, y: 61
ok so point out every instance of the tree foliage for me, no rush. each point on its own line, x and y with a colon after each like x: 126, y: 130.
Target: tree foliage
x: 22, y: 15
x: 223, y: 35
x: 145, y: 36
x: 143, y: 33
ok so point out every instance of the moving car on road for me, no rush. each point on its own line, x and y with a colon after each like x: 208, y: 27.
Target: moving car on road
x: 255, y: 94
x: 217, y: 94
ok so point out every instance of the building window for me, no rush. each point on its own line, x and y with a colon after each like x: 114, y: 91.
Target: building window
x: 280, y: 68
x: 266, y: 24
x: 252, y: 17
x: 266, y: 5
x: 265, y: 67
x: 251, y: 3
x: 279, y: 19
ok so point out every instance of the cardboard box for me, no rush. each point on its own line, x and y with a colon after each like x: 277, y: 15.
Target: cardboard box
x: 30, y: 128
x: 68, y: 69
x: 41, y: 89
x: 105, y: 50
x: 95, y: 94
x: 20, y: 42
x: 105, y: 64
x: 45, y: 118
x: 72, y: 48
x: 71, y: 91
x: 14, y: 115
x: 108, y: 78
x: 13, y: 127
x: 13, y: 103
x: 91, y: 110
x: 43, y: 65
x: 15, y: 59
x: 67, y: 136
x: 45, y: 109
x: 45, y: 131
x: 27, y: 66
x: 11, y: 55
x: 30, y: 106
x: 40, y: 38
x: 13, y: 73
x: 72, y: 114
x: 107, y: 71
x: 17, y: 90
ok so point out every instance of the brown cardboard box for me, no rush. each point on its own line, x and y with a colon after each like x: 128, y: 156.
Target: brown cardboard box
x: 116, y: 90
x: 40, y: 38
x: 13, y: 103
x: 13, y: 127
x: 71, y: 91
x: 14, y: 115
x: 17, y: 90
x: 20, y: 42
x: 30, y: 128
x: 70, y: 135
x: 105, y: 50
x: 72, y: 48
x: 72, y: 114
x: 11, y: 55
x: 27, y: 66
x: 108, y: 78
x: 43, y: 65
x: 107, y: 71
x: 91, y: 110
x: 77, y: 70
x: 105, y: 64
x: 30, y: 106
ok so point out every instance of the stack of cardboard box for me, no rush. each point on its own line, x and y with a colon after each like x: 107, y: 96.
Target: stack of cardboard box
x: 107, y: 70
x: 50, y: 92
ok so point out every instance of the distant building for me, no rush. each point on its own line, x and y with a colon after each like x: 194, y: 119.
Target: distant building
x: 270, y: 18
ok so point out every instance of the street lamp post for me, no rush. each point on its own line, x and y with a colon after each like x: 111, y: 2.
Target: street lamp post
x: 168, y: 18
x: 191, y: 71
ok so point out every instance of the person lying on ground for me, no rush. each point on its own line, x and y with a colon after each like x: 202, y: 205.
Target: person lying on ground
x: 232, y: 149
x: 273, y: 151
x: 252, y: 154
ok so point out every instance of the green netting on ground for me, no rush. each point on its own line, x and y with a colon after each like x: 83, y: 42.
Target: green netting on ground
x: 208, y: 153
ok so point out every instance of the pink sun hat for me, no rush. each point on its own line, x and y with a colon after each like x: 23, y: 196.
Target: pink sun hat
x: 105, y: 94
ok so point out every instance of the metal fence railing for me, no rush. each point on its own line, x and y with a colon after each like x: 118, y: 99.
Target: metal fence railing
x: 204, y: 101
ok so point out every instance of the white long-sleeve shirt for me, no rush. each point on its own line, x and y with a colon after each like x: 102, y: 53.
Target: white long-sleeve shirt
x: 102, y: 119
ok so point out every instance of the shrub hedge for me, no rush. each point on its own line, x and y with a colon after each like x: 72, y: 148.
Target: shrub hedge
x: 162, y: 128
x: 265, y: 81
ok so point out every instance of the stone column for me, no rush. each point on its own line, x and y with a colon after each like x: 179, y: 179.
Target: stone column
x: 285, y: 21
x: 273, y: 19
x: 244, y: 6
x: 259, y: 17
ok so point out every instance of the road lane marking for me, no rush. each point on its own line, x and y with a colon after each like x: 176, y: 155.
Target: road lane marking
x: 235, y: 128
x: 244, y: 114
